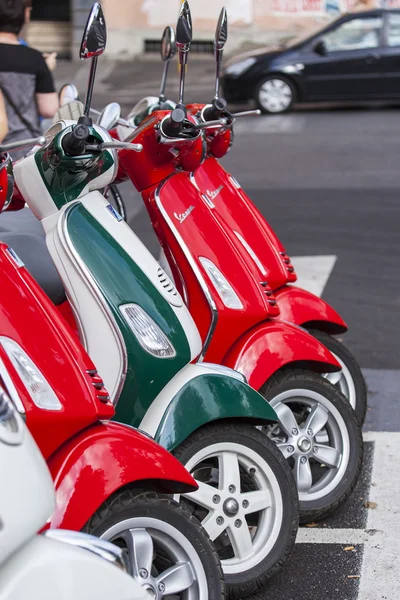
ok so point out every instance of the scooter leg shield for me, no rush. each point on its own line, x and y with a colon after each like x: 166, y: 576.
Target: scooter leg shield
x: 274, y: 344
x: 91, y: 467
x: 198, y: 395
x: 304, y: 308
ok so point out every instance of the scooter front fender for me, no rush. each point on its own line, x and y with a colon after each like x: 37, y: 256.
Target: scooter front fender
x: 102, y: 459
x: 304, y: 308
x: 274, y: 344
x: 198, y: 395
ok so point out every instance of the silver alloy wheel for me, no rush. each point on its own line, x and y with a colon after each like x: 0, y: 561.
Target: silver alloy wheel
x: 317, y: 438
x: 344, y: 381
x: 275, y: 95
x: 149, y: 543
x: 229, y: 507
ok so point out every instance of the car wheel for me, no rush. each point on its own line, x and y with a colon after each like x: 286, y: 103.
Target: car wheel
x: 167, y: 551
x: 275, y: 95
x: 319, y: 436
x: 246, y: 501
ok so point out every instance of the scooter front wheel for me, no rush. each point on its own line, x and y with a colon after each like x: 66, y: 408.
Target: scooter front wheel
x: 319, y: 436
x: 168, y: 552
x: 351, y: 381
x: 246, y: 501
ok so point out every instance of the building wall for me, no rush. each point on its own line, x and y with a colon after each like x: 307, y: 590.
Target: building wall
x: 251, y: 22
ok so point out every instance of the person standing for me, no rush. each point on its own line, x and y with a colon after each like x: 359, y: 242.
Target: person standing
x: 25, y: 79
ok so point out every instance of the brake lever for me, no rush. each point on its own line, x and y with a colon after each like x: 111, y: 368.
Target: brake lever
x: 246, y: 113
x: 210, y: 125
x: 40, y: 141
x: 113, y: 146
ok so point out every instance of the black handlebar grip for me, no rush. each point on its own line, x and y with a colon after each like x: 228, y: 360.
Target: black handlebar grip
x: 173, y: 126
x: 214, y: 112
x: 74, y: 142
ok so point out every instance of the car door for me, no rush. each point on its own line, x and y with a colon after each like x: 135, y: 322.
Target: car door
x: 390, y: 61
x: 344, y: 62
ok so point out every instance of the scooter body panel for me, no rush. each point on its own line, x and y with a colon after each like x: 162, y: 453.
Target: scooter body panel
x: 97, y: 462
x: 47, y: 339
x: 303, y: 308
x: 198, y: 395
x: 272, y: 345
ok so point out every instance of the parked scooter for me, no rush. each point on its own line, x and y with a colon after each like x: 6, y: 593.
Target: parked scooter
x: 66, y: 564
x: 109, y: 478
x: 234, y: 308
x: 142, y: 338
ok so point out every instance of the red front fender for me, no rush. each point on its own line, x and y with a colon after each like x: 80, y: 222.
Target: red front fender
x: 102, y: 459
x: 273, y: 345
x: 304, y: 308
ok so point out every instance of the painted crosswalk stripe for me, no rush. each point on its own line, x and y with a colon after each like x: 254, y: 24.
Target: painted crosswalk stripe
x: 313, y: 272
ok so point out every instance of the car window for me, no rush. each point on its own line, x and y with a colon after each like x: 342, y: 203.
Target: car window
x: 358, y: 34
x: 393, y: 29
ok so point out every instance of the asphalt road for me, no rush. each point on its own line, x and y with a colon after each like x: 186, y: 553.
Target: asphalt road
x: 328, y: 181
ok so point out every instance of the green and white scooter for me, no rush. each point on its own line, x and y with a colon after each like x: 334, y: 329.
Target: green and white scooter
x: 136, y: 328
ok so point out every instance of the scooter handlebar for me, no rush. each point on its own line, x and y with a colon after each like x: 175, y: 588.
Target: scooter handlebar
x: 74, y: 143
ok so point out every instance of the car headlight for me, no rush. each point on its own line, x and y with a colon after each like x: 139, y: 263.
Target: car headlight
x: 37, y: 386
x: 147, y: 332
x: 240, y: 67
x: 224, y: 289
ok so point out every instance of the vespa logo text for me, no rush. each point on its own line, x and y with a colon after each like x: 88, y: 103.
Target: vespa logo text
x: 213, y: 195
x: 184, y: 215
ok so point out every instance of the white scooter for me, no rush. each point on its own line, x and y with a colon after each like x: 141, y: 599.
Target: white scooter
x: 62, y: 565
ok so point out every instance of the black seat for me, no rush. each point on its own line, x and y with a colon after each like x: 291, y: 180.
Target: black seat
x: 32, y: 250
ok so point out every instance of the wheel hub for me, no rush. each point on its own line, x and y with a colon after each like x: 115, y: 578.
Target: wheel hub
x: 231, y: 507
x: 304, y: 444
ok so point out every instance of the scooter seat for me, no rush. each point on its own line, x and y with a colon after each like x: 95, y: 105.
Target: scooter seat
x: 32, y: 250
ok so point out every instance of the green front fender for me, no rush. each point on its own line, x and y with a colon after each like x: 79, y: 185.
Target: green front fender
x: 208, y: 398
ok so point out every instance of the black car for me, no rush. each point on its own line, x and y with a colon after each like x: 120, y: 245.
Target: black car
x: 357, y: 57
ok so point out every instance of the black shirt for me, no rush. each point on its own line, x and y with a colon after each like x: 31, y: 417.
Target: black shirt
x: 23, y: 74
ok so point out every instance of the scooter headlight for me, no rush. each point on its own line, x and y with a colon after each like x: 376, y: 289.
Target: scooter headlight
x: 147, y: 332
x: 37, y: 386
x: 225, y: 291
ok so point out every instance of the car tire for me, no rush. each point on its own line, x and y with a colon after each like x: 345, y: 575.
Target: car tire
x: 352, y: 383
x: 275, y: 94
x: 320, y: 437
x: 233, y: 460
x: 162, y: 534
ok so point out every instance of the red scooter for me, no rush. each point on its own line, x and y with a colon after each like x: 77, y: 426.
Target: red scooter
x: 100, y: 469
x: 235, y: 309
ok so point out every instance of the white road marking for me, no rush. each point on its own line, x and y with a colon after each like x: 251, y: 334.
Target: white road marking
x: 294, y: 123
x: 313, y: 272
x: 335, y: 536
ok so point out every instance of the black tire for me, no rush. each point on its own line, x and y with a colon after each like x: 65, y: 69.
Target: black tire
x: 245, y: 581
x: 350, y: 362
x: 342, y: 425
x: 155, y: 508
x: 288, y: 85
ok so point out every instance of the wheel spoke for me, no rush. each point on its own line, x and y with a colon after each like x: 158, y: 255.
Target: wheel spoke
x: 303, y: 475
x: 286, y: 448
x: 257, y: 501
x: 322, y: 437
x: 333, y: 378
x: 204, y: 495
x: 317, y: 419
x: 328, y: 456
x: 176, y: 579
x: 211, y: 526
x: 229, y: 473
x: 241, y: 541
x: 140, y: 550
x: 286, y: 418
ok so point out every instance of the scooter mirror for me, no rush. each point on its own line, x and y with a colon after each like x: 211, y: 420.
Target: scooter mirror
x: 95, y: 34
x: 184, y: 32
x: 168, y: 46
x: 68, y: 93
x: 221, y: 33
x: 110, y: 116
x: 6, y: 181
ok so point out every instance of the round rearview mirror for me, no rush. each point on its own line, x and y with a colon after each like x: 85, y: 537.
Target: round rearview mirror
x: 95, y: 34
x: 184, y: 29
x: 110, y: 116
x: 168, y: 46
x: 68, y: 93
x: 6, y: 181
x: 221, y: 33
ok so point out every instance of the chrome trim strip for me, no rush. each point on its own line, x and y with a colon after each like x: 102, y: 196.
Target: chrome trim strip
x: 11, y: 389
x: 196, y: 271
x: 86, y: 275
x: 251, y: 253
x: 193, y: 181
x: 235, y: 182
